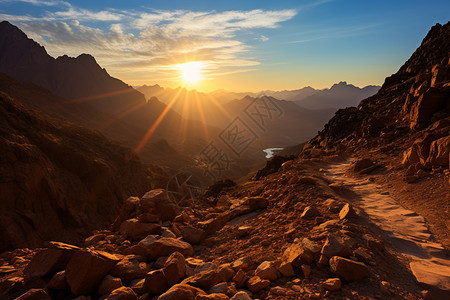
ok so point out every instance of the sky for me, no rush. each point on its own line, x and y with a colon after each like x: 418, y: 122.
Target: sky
x: 240, y: 45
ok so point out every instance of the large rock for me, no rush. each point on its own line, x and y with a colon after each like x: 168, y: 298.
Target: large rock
x: 161, y: 203
x: 297, y: 255
x: 128, y: 210
x: 138, y: 230
x: 35, y: 294
x: 175, y: 268
x: 129, y: 269
x: 423, y: 109
x: 109, y: 284
x: 50, y: 261
x: 156, y: 282
x: 348, y: 269
x: 192, y: 235
x: 267, y: 270
x: 181, y: 292
x: 86, y: 269
x: 204, y: 280
x: 440, y: 152
x: 335, y: 246
x: 255, y: 284
x: 123, y: 293
x: 167, y: 246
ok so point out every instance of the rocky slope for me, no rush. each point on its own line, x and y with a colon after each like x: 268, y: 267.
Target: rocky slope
x: 59, y: 180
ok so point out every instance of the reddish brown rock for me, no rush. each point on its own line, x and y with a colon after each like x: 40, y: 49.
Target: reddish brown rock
x: 138, y: 230
x: 86, y: 269
x: 214, y: 224
x: 50, y: 261
x: 213, y: 296
x: 241, y: 296
x: 123, y: 293
x: 348, y: 269
x: 440, y: 152
x: 310, y: 212
x: 240, y: 278
x: 286, y: 269
x: 335, y: 246
x: 108, y: 285
x: 35, y: 294
x: 423, y: 109
x: 167, y: 246
x: 347, y: 212
x: 58, y: 281
x: 241, y: 263
x: 255, y: 284
x: 156, y: 282
x: 332, y: 284
x: 128, y: 210
x: 138, y: 286
x: 267, y: 270
x: 175, y: 268
x: 192, y: 235
x: 204, y: 280
x: 181, y: 292
x: 129, y: 269
x: 94, y: 239
x: 297, y: 255
x: 161, y: 203
x: 226, y: 271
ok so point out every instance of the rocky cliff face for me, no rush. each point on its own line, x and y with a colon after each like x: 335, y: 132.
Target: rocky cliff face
x: 409, y: 116
x: 59, y: 180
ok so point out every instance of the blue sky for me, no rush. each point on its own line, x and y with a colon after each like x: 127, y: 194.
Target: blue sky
x: 243, y: 45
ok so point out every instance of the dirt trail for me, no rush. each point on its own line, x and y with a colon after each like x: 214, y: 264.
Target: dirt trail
x: 404, y: 229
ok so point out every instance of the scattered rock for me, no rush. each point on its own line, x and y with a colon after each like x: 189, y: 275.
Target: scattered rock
x: 267, y: 270
x: 226, y: 272
x: 127, y: 269
x: 240, y: 278
x: 181, y: 292
x: 161, y: 203
x: 332, y: 284
x: 156, y: 282
x: 86, y: 269
x: 220, y: 288
x: 167, y: 246
x: 348, y: 269
x: 58, y: 281
x: 310, y: 212
x: 35, y: 294
x: 306, y: 269
x: 108, y: 285
x: 255, y: 284
x: 285, y: 268
x: 204, y: 280
x: 241, y: 296
x: 347, y: 212
x: 138, y: 230
x: 335, y: 246
x: 297, y: 255
x: 175, y: 268
x: 123, y: 293
x: 241, y: 263
x: 192, y: 235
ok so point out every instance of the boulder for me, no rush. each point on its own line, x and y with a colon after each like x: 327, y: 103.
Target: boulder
x: 240, y: 278
x: 128, y: 210
x: 175, y: 268
x: 58, y: 281
x: 123, y: 293
x: 267, y: 270
x: 167, y: 246
x: 255, y: 284
x: 204, y: 280
x: 192, y: 235
x: 348, y: 269
x: 220, y: 288
x: 440, y: 152
x: 297, y: 255
x: 226, y: 271
x: 181, y: 292
x: 156, y: 282
x: 135, y: 229
x: 423, y: 109
x: 310, y: 212
x: 86, y: 269
x: 161, y: 203
x: 347, y: 212
x: 241, y: 296
x: 335, y: 246
x: 50, y: 261
x: 129, y: 269
x: 35, y: 294
x: 108, y: 285
x: 213, y: 296
x: 286, y: 269
x: 332, y: 284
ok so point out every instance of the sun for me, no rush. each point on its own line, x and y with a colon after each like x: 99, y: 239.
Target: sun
x: 191, y: 72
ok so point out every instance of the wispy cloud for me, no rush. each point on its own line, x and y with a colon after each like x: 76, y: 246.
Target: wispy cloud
x: 42, y: 2
x: 145, y: 42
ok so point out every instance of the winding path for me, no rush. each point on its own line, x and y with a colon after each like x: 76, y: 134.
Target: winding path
x: 404, y: 229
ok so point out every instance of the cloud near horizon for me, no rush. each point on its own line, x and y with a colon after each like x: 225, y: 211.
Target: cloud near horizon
x: 139, y: 43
